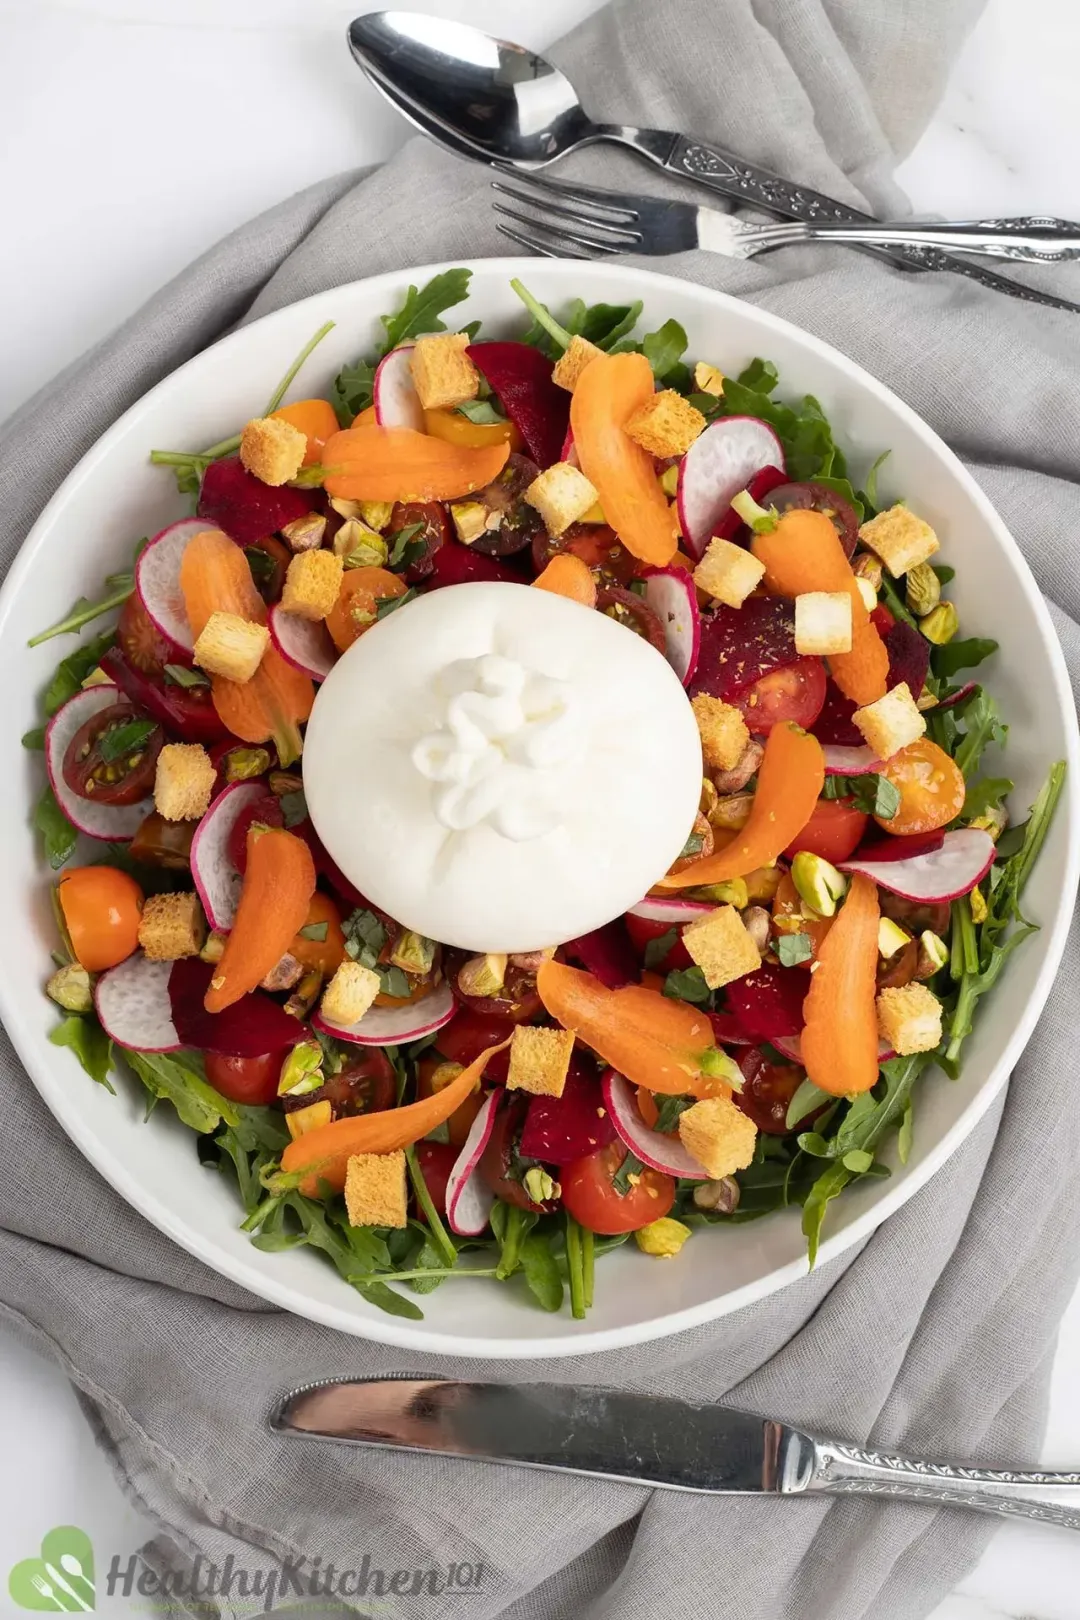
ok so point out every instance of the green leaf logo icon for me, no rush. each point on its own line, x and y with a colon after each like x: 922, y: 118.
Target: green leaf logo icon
x: 61, y: 1579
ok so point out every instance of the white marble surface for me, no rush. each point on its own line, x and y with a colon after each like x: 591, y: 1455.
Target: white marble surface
x: 127, y: 134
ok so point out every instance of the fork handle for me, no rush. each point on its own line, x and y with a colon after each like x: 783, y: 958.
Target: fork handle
x: 1031, y: 239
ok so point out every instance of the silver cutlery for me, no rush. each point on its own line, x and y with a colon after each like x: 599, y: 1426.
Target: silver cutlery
x: 574, y: 221
x: 650, y: 1440
x: 497, y: 102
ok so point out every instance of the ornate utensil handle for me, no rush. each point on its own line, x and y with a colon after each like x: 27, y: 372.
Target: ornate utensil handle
x: 1031, y: 239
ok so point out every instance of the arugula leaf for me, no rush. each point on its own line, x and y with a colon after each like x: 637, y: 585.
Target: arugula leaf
x: 957, y: 655
x: 439, y: 1238
x: 56, y: 830
x: 83, y: 612
x: 906, y: 1136
x: 90, y: 1044
x: 119, y: 741
x: 35, y: 738
x: 687, y: 984
x: 760, y: 375
x: 422, y: 307
x: 944, y: 573
x: 807, y: 1100
x: 829, y: 1185
x: 665, y: 348
x: 631, y: 1166
x: 657, y: 949
x: 178, y: 1078
x: 985, y: 794
x: 794, y: 948
x: 541, y: 1272
x: 511, y: 1229
x: 286, y: 382
x: 982, y: 726
x: 182, y: 675
x: 809, y: 447
x: 605, y: 324
x: 870, y: 494
x: 353, y: 391
x: 74, y: 669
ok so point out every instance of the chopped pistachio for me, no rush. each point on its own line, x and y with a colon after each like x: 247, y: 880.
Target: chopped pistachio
x: 243, y: 764
x: 470, y: 520
x: 348, y: 509
x: 923, y: 589
x: 933, y: 955
x: 732, y: 811
x: 483, y: 975
x: 868, y: 567
x: 301, y: 1071
x: 305, y: 533
x: 359, y: 546
x: 941, y: 625
x: 993, y: 820
x: 867, y: 592
x: 757, y: 922
x: 97, y: 677
x: 305, y: 995
x: 669, y: 482
x: 302, y: 1120
x: 414, y: 953
x: 722, y: 1196
x: 282, y: 783
x: 709, y: 796
x: 69, y: 987
x: 708, y: 379
x: 214, y: 949
x: 663, y: 1238
x: 926, y: 700
x: 732, y: 893
x: 539, y: 1185
x: 717, y: 1065
x: 444, y: 1075
x: 891, y: 938
x: 376, y: 514
x: 819, y: 883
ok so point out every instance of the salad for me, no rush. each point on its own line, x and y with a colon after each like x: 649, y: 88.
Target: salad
x: 751, y: 1032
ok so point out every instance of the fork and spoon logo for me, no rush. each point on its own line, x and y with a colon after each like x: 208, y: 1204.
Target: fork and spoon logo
x: 61, y: 1579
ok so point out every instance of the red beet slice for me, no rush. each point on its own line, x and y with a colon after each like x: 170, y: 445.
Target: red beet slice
x: 740, y: 645
x: 834, y: 724
x: 251, y: 1027
x: 246, y: 508
x: 731, y: 526
x: 538, y: 408
x: 185, y: 712
x: 899, y: 847
x: 558, y: 1130
x: 327, y: 867
x: 769, y: 1002
x: 607, y: 954
x: 909, y: 657
x: 455, y: 564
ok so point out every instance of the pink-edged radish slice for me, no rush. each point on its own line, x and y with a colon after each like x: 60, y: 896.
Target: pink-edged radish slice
x: 671, y: 595
x: 789, y: 1046
x: 659, y: 1152
x: 157, y: 580
x: 468, y: 1198
x: 841, y: 761
x: 133, y: 1006
x: 719, y: 463
x: 395, y: 1026
x: 655, y: 908
x: 303, y: 643
x: 397, y: 403
x: 117, y: 822
x: 964, y: 858
x: 217, y: 881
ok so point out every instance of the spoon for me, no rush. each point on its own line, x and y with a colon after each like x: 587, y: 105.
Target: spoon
x: 491, y: 100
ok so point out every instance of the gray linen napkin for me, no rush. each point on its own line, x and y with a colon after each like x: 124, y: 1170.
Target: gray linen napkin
x: 937, y: 1335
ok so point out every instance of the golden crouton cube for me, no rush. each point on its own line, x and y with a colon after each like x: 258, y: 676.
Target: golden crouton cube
x: 272, y: 450
x: 183, y: 782
x: 665, y: 425
x: 442, y: 372
x: 900, y: 539
x: 349, y: 994
x: 539, y: 1060
x: 721, y: 947
x: 572, y: 362
x: 708, y: 379
x: 892, y: 722
x: 822, y: 623
x: 172, y: 926
x: 311, y: 1118
x: 562, y: 495
x: 375, y: 1193
x: 724, y: 733
x: 312, y: 584
x: 728, y: 572
x: 662, y: 1238
x: 231, y: 646
x: 718, y: 1135
x: 909, y: 1020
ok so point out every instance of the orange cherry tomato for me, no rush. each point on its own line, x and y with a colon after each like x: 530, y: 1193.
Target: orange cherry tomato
x: 931, y: 788
x: 460, y: 1122
x: 102, y: 907
x: 834, y: 831
x: 457, y: 429
x: 788, y: 918
x: 325, y: 954
x: 316, y: 419
x: 355, y: 609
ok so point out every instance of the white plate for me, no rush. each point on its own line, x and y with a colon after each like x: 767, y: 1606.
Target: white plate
x: 114, y: 496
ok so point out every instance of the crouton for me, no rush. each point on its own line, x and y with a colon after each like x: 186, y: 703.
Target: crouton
x: 822, y: 622
x: 900, y: 539
x: 721, y: 947
x: 892, y: 722
x: 312, y: 584
x: 539, y: 1060
x: 572, y: 362
x: 708, y: 379
x: 724, y: 732
x: 172, y: 926
x: 349, y: 994
x: 375, y: 1189
x: 909, y: 1020
x: 662, y: 1238
x: 562, y: 495
x: 718, y: 1135
x: 311, y: 1118
x: 442, y: 372
x: 183, y: 781
x: 231, y: 646
x: 666, y: 425
x: 272, y: 450
x: 728, y: 572
x: 305, y: 533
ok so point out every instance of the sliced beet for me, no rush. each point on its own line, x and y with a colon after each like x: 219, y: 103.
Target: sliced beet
x: 834, y: 724
x: 252, y: 1026
x: 909, y: 657
x: 819, y: 498
x: 455, y: 564
x: 732, y: 527
x: 899, y: 847
x: 740, y: 645
x: 607, y: 954
x: 769, y: 1002
x: 521, y: 379
x: 728, y: 1031
x: 185, y: 712
x: 558, y: 1130
x: 245, y: 507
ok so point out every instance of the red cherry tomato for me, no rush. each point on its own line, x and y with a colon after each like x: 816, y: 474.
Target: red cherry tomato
x: 366, y: 1085
x: 616, y: 602
x: 141, y: 642
x: 436, y: 1160
x: 95, y: 770
x: 599, y: 548
x: 834, y: 831
x: 767, y: 1091
x: 642, y: 933
x: 589, y: 1194
x: 882, y: 620
x: 469, y: 1034
x: 432, y: 529
x: 795, y: 693
x: 497, y: 1158
x: 251, y: 1080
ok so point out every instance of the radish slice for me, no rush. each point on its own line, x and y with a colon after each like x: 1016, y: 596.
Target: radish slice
x: 397, y: 403
x: 671, y: 595
x: 217, y: 881
x: 132, y: 1003
x: 719, y: 463
x: 659, y: 1152
x: 655, y: 908
x: 963, y: 860
x: 468, y: 1198
x: 395, y: 1026
x: 157, y: 580
x: 303, y: 643
x: 789, y: 1046
x: 841, y: 761
x: 117, y: 822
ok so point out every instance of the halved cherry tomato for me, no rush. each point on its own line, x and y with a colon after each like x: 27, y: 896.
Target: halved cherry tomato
x: 931, y: 788
x: 599, y: 548
x: 788, y: 918
x: 497, y: 1159
x: 355, y: 609
x: 100, y: 765
x: 316, y: 419
x: 472, y: 1031
x: 163, y: 843
x: 642, y: 933
x: 882, y: 620
x: 617, y: 603
x: 433, y: 529
x: 457, y: 429
x: 834, y: 831
x: 102, y: 907
x: 514, y: 523
x: 795, y: 693
x: 250, y: 1080
x: 269, y: 561
x: 517, y: 1001
x: 366, y: 1085
x: 436, y: 1160
x: 767, y: 1091
x: 325, y: 954
x: 141, y: 642
x: 589, y: 1194
x: 266, y: 812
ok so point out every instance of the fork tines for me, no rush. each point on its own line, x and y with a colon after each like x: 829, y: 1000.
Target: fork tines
x: 609, y: 217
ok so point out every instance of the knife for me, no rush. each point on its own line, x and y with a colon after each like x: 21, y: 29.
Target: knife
x: 649, y: 1440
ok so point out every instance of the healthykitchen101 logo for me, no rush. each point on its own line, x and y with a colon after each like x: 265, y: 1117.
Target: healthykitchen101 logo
x: 60, y: 1580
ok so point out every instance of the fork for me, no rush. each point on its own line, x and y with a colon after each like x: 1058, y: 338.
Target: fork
x: 567, y: 220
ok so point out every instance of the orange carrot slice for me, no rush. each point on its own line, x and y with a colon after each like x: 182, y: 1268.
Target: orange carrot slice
x: 567, y: 575
x: 803, y: 553
x: 316, y: 420
x: 608, y: 392
x: 839, y: 1042
x: 789, y: 784
x: 325, y: 1152
x: 277, y: 890
x: 374, y: 463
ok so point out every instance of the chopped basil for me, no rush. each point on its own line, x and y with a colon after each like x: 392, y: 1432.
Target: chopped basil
x: 365, y: 937
x: 631, y: 1166
x: 394, y: 982
x: 183, y: 675
x: 687, y: 984
x: 119, y: 741
x: 315, y: 931
x: 693, y: 846
x: 793, y: 949
x: 668, y: 1110
x: 657, y: 949
x: 874, y: 795
x: 480, y: 411
x: 390, y: 604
